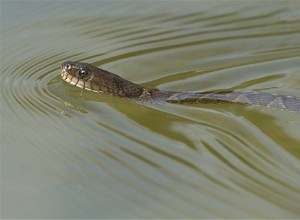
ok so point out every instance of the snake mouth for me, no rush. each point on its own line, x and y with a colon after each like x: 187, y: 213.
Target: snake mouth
x: 75, y: 81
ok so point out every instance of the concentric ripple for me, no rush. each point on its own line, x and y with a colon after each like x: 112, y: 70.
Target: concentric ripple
x: 69, y: 153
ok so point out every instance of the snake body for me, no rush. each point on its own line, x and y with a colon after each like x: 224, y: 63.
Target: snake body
x: 92, y: 78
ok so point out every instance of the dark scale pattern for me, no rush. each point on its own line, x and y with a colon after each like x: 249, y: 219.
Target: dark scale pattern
x: 291, y: 103
x: 270, y: 100
x: 259, y: 99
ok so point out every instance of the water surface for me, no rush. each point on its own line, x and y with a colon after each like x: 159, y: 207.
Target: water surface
x: 68, y: 153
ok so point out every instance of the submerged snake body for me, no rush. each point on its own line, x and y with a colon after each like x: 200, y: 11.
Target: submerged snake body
x: 95, y: 79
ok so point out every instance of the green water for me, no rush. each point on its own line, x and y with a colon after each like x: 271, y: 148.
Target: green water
x: 68, y: 153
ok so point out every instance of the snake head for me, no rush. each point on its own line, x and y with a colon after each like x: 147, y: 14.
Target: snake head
x: 77, y: 73
x: 90, y: 77
x: 76, y: 70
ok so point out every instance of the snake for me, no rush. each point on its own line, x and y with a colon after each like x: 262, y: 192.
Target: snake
x: 89, y: 77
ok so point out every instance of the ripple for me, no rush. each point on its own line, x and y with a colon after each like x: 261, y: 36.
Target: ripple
x: 149, y: 161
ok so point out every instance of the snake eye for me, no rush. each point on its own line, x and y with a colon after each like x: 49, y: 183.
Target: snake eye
x: 68, y: 66
x: 82, y: 73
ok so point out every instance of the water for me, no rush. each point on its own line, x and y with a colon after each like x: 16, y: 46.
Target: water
x: 68, y: 153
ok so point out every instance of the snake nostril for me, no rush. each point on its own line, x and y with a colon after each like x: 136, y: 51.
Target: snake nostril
x: 68, y: 67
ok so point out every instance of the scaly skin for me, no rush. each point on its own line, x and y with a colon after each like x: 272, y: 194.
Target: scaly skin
x: 95, y: 79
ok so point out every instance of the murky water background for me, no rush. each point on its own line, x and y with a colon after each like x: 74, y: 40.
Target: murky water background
x: 67, y: 153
